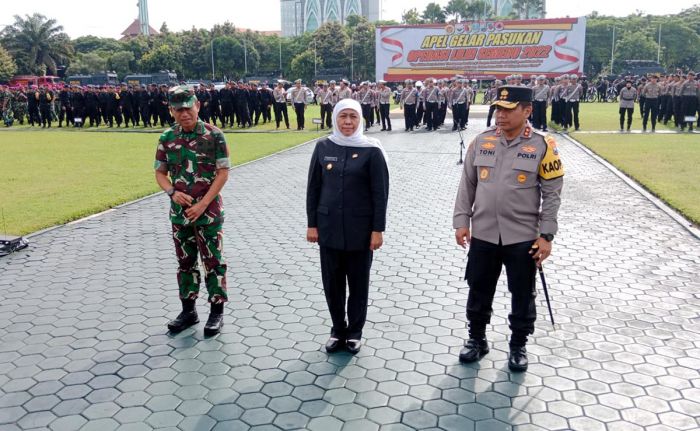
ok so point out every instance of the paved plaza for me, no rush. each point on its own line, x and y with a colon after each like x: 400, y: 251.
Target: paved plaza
x: 84, y: 344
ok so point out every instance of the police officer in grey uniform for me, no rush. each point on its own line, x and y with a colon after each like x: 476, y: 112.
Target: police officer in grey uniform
x: 651, y: 93
x: 628, y: 96
x: 298, y: 94
x: 409, y: 97
x: 506, y: 210
x: 384, y: 99
x: 689, y: 101
x: 539, y: 105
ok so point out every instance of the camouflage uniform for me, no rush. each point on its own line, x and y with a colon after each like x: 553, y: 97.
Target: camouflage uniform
x: 191, y: 159
x: 19, y: 106
x: 6, y: 107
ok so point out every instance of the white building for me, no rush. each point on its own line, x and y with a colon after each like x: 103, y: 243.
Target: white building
x: 299, y: 16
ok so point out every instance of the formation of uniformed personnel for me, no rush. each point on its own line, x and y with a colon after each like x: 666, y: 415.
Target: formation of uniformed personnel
x: 689, y: 94
x: 45, y: 97
x: 506, y: 211
x: 327, y: 99
x: 571, y: 95
x: 408, y: 101
x: 628, y: 97
x: 346, y: 202
x: 540, y: 100
x: 384, y: 102
x: 280, y: 96
x: 460, y: 98
x: 191, y: 165
x: 366, y: 98
x: 298, y: 94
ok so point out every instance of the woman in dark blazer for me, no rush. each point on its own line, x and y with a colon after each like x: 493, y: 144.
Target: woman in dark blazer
x: 346, y: 202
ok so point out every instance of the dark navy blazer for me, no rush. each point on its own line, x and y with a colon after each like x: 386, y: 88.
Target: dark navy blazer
x: 347, y: 194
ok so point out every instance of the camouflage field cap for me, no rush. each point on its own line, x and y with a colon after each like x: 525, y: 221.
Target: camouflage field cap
x: 181, y: 97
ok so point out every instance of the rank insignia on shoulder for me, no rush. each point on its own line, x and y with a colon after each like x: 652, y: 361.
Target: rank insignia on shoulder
x: 528, y: 148
x: 491, y: 138
x: 488, y: 146
x: 329, y: 166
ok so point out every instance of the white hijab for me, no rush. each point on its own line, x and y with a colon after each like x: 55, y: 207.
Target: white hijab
x: 357, y: 139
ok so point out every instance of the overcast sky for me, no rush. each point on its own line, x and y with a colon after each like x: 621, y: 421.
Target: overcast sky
x: 93, y: 17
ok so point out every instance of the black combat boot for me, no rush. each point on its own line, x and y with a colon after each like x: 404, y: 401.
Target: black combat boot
x: 473, y: 350
x: 517, y: 359
x: 186, y: 318
x: 216, y: 320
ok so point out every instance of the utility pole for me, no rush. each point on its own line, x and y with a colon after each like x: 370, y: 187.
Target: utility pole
x: 315, y: 73
x: 280, y: 55
x: 612, y: 55
x: 245, y: 56
x: 212, y: 59
x: 658, y: 53
x: 352, y: 56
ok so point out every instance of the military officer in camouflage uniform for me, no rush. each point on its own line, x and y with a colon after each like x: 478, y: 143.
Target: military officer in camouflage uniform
x: 19, y: 105
x: 192, y: 164
x: 506, y: 210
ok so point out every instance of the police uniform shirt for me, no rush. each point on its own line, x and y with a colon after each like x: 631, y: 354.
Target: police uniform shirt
x: 364, y: 97
x: 460, y: 96
x: 555, y: 92
x: 651, y: 90
x: 540, y: 93
x: 510, y: 191
x: 280, y: 95
x: 329, y: 97
x: 574, y: 93
x: 689, y: 88
x: 627, y: 97
x: 299, y: 95
x: 431, y: 95
x: 409, y: 96
x: 384, y: 96
x: 344, y: 93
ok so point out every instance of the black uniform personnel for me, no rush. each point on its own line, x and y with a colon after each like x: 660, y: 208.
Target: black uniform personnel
x: 114, y: 113
x: 33, y: 107
x: 266, y: 101
x: 126, y: 103
x: 103, y: 96
x: 78, y: 102
x: 65, y: 111
x: 145, y: 98
x: 346, y: 200
x: 135, y: 116
x: 155, y: 103
x: 226, y: 95
x: 45, y: 101
x: 163, y: 109
x: 204, y: 98
x: 92, y: 107
x: 215, y: 106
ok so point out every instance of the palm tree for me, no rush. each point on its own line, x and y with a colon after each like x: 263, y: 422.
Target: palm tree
x: 479, y: 10
x: 526, y: 8
x: 433, y: 13
x: 457, y: 9
x: 39, y: 41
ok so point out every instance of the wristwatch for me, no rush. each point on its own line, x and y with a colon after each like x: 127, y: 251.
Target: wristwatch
x: 170, y: 192
x: 547, y: 236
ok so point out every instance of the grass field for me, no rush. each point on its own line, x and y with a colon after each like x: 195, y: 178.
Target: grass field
x: 667, y: 165
x: 52, y: 177
x: 606, y: 116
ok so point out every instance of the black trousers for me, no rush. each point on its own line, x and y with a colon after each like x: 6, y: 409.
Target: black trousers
x: 420, y: 114
x: 689, y: 105
x: 492, y: 109
x: 484, y: 264
x: 384, y: 114
x: 642, y: 102
x: 337, y: 267
x: 431, y: 115
x: 65, y: 112
x: 677, y: 111
x: 128, y: 116
x: 539, y: 114
x: 299, y: 109
x: 651, y: 106
x: 556, y: 112
x: 326, y: 115
x: 45, y: 111
x: 266, y: 113
x: 409, y: 116
x: 629, y: 112
x: 367, y: 114
x: 571, y: 114
x: 281, y: 111
x: 459, y: 115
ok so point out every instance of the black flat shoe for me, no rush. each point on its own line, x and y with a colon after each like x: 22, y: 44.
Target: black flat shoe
x: 473, y: 350
x: 183, y: 321
x: 214, y: 324
x: 353, y: 346
x: 333, y: 345
x: 517, y: 359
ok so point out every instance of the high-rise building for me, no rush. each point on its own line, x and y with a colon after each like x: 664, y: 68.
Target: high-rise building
x: 299, y: 16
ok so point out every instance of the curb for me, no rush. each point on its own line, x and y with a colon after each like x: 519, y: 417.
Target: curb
x: 663, y: 206
x: 126, y: 204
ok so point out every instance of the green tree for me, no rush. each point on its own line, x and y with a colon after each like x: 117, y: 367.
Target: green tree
x: 433, y: 13
x: 635, y: 46
x: 121, y: 62
x: 89, y: 62
x: 196, y: 50
x: 330, y: 42
x: 527, y: 9
x: 676, y: 38
x: 303, y: 66
x: 162, y: 57
x: 41, y: 40
x: 457, y: 9
x: 93, y: 43
x: 362, y: 51
x: 598, y: 45
x: 7, y: 65
x: 478, y: 10
x: 411, y: 17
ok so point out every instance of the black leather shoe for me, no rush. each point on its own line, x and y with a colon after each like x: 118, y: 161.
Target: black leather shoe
x: 473, y: 350
x: 517, y: 359
x: 214, y: 324
x: 353, y: 346
x: 333, y: 345
x: 183, y: 321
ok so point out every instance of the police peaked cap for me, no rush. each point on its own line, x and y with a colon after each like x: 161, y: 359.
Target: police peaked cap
x: 508, y: 96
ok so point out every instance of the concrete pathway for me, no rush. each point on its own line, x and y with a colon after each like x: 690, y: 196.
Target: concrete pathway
x: 83, y: 342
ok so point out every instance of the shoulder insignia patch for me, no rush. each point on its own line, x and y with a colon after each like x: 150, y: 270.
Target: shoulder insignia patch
x: 551, y: 166
x: 491, y: 138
